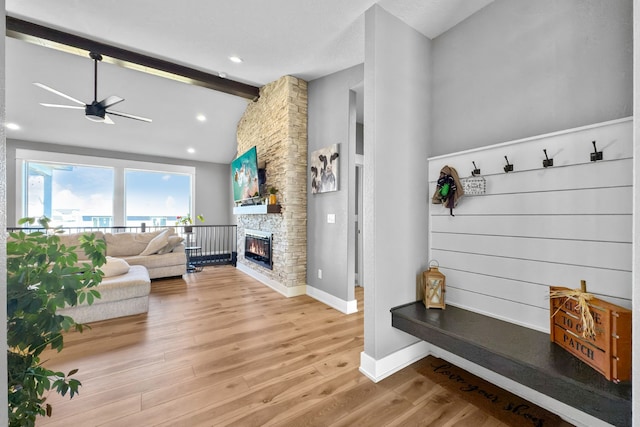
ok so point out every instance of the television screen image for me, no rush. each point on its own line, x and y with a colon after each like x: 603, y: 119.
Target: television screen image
x: 244, y: 176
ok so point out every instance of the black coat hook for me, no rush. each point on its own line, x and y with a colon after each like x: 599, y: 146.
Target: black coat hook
x: 508, y: 167
x: 596, y: 155
x: 547, y: 162
x: 475, y: 171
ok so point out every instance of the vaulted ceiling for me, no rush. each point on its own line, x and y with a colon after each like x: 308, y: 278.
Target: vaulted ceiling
x: 304, y: 38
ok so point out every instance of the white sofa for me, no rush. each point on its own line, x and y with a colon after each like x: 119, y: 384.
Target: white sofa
x: 122, y: 295
x: 161, y: 251
x: 133, y: 259
x: 166, y: 259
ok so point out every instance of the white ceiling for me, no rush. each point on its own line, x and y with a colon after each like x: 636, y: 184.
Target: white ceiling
x: 304, y: 38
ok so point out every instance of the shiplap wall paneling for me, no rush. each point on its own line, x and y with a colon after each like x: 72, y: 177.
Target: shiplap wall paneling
x: 614, y: 284
x: 538, y: 227
x: 568, y: 148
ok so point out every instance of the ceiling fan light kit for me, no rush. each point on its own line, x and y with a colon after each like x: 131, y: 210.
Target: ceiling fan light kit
x: 96, y: 111
x: 93, y: 113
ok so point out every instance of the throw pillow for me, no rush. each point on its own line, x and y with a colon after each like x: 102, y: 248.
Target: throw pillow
x: 128, y: 244
x: 173, y: 242
x: 114, y: 267
x: 157, y: 243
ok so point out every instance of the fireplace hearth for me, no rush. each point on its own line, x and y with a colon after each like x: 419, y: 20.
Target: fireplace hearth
x: 258, y: 247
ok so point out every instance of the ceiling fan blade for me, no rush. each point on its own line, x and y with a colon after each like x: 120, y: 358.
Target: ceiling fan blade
x: 73, y: 107
x: 107, y: 120
x: 70, y: 98
x: 110, y: 101
x: 129, y: 116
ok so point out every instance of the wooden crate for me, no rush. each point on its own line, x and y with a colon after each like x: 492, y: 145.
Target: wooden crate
x: 609, y: 352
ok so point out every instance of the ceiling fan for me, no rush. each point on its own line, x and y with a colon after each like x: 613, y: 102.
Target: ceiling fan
x: 96, y: 111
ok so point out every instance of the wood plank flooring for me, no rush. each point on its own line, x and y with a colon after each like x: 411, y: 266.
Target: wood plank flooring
x: 219, y: 348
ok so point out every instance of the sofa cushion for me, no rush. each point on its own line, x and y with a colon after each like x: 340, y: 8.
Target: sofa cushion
x: 157, y: 243
x: 173, y: 242
x: 134, y: 284
x: 73, y: 239
x: 114, y: 267
x: 128, y: 244
x: 156, y: 261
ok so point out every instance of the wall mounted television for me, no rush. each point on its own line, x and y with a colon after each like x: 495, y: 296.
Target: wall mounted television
x: 244, y: 178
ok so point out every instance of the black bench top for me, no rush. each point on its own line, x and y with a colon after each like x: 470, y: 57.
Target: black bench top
x: 521, y: 354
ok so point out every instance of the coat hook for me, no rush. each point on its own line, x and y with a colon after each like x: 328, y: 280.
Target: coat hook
x: 475, y: 171
x: 508, y: 167
x: 596, y: 155
x: 548, y: 162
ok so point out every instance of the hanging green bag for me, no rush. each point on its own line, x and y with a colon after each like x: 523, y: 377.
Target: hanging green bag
x: 444, y: 190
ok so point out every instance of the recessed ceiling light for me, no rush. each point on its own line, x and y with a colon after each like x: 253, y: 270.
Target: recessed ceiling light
x: 235, y: 59
x: 13, y: 126
x: 191, y: 150
x: 201, y: 118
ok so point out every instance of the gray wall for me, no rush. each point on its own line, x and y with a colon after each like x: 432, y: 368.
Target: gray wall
x: 213, y: 180
x: 519, y: 68
x: 3, y: 222
x: 396, y: 210
x: 328, y: 244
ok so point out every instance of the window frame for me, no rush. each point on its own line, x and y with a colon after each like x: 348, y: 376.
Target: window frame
x: 120, y: 166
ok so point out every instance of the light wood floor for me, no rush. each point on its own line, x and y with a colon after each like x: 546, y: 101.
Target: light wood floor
x: 219, y: 348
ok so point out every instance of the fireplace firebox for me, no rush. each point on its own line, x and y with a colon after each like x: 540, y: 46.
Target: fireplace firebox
x: 257, y: 247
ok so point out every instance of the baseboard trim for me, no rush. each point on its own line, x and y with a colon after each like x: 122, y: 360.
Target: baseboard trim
x: 276, y: 286
x: 346, y: 307
x: 377, y: 370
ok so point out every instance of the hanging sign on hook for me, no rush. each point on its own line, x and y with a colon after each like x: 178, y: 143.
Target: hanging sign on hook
x: 474, y: 185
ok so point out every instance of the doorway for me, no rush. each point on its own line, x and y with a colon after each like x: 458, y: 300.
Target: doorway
x: 359, y: 259
x: 357, y: 135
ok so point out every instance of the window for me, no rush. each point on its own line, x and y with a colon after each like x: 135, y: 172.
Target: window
x: 70, y: 195
x: 82, y: 191
x: 156, y: 198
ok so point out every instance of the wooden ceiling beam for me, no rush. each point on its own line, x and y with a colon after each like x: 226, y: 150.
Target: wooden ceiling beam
x: 71, y: 43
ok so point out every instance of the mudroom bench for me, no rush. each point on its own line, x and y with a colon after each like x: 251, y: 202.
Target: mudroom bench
x: 521, y: 354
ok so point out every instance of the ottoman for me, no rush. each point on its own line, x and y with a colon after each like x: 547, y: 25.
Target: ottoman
x: 122, y: 295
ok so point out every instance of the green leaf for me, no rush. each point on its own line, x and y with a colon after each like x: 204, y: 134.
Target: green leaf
x: 43, y: 276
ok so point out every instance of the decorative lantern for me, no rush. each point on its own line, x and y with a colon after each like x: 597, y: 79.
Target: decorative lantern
x: 434, y: 286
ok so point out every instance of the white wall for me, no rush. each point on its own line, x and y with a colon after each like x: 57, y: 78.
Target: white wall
x: 396, y: 126
x: 538, y: 227
x: 636, y: 215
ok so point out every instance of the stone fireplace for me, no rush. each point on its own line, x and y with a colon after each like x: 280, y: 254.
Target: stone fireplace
x: 276, y: 124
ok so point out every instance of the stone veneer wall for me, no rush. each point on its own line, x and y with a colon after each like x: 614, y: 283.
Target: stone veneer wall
x: 277, y: 125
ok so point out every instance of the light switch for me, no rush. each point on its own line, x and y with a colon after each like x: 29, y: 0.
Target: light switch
x: 331, y: 218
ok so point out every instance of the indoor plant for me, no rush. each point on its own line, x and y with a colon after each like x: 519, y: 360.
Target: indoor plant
x: 42, y: 276
x: 187, y: 221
